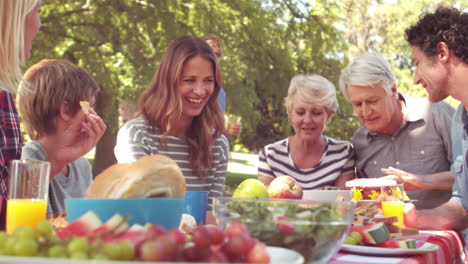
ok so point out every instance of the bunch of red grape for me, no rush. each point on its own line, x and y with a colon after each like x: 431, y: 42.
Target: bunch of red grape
x: 207, y: 244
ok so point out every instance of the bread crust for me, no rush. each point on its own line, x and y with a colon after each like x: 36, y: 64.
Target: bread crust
x: 149, y: 176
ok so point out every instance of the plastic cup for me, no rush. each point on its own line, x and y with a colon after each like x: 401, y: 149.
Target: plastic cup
x: 394, y: 208
x: 28, y: 190
x: 196, y: 203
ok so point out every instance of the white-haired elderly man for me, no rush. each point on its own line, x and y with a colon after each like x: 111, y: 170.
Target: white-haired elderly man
x: 405, y: 137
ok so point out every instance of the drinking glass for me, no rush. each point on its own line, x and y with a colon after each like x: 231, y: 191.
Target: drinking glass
x: 28, y: 189
x: 233, y: 123
x: 396, y: 206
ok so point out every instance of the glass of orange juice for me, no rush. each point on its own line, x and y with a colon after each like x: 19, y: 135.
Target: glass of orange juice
x: 396, y: 206
x: 27, y: 196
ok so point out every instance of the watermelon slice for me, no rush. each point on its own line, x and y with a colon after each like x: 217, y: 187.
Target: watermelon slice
x: 112, y: 227
x: 81, y: 227
x: 398, y: 243
x: 372, y: 234
x: 135, y: 235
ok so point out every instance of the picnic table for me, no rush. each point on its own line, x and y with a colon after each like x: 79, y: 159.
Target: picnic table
x: 451, y: 250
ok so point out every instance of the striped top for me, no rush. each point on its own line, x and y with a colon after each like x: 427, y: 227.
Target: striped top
x: 137, y: 138
x: 339, y: 158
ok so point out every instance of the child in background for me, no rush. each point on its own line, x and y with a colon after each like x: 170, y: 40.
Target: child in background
x: 49, y: 103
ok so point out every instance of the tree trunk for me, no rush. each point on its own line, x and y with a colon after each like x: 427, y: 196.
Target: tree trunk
x: 107, y: 108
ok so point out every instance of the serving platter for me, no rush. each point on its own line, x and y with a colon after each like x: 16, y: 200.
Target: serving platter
x: 277, y: 255
x: 422, y: 248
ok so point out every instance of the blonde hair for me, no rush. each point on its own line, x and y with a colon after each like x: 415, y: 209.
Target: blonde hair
x: 12, y: 28
x: 314, y: 89
x: 161, y: 103
x: 51, y: 83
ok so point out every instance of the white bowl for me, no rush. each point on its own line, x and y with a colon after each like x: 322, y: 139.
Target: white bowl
x: 326, y: 195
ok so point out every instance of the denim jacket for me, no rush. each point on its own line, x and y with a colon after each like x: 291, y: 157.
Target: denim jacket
x: 459, y: 149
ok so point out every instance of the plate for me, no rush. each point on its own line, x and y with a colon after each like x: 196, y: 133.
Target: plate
x: 423, y: 248
x: 406, y: 201
x: 278, y: 255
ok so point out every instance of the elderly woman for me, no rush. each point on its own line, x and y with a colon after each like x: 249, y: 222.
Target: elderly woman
x: 313, y: 159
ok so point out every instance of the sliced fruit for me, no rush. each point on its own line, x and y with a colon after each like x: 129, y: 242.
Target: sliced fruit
x: 372, y: 234
x: 398, y: 243
x: 112, y: 227
x: 283, y: 226
x: 82, y: 226
x: 134, y: 236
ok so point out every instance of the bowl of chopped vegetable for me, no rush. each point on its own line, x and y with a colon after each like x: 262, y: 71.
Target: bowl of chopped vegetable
x: 316, y: 229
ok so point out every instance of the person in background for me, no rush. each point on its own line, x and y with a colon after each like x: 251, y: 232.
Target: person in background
x: 233, y: 127
x: 312, y: 158
x: 440, y: 55
x: 399, y: 135
x: 181, y: 118
x: 49, y: 105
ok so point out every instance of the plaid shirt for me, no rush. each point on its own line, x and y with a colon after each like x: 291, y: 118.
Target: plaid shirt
x: 10, y: 138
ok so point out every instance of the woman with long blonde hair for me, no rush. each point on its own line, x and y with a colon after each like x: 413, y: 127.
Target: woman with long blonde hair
x: 19, y: 25
x: 180, y: 117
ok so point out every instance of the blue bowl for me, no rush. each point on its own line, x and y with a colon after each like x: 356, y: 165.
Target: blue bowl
x: 162, y: 211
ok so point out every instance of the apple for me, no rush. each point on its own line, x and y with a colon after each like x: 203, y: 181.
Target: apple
x: 251, y: 188
x: 285, y: 187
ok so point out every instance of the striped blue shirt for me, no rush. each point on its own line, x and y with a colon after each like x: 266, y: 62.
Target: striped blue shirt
x: 339, y: 158
x: 137, y: 138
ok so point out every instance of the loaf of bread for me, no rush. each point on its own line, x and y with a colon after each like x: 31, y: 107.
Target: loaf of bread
x: 149, y: 176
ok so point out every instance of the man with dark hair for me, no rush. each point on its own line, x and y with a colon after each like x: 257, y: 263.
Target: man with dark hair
x: 440, y: 54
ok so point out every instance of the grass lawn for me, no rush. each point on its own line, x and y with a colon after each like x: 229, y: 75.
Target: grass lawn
x: 241, y: 166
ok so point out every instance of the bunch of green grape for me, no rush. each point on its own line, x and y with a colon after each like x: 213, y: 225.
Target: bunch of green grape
x: 42, y: 242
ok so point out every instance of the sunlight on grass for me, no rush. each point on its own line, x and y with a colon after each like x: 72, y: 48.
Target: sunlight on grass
x: 241, y: 166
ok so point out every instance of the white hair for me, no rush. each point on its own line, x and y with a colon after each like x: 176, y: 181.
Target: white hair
x: 313, y: 89
x: 368, y: 70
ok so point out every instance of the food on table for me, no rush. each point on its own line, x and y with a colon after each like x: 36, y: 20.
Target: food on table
x: 353, y: 238
x: 251, y: 188
x: 399, y: 243
x: 85, y: 106
x: 285, y: 187
x: 88, y: 238
x: 378, y: 230
x: 187, y: 223
x: 370, y: 188
x: 59, y: 221
x: 314, y: 229
x: 150, y: 176
x: 373, y: 233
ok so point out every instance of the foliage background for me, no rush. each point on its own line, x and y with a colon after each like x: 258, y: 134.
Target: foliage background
x: 266, y: 42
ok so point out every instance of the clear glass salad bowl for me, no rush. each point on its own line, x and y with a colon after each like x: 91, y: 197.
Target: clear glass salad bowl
x: 316, y: 229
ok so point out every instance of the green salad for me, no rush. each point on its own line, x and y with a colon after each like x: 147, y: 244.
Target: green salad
x: 314, y: 230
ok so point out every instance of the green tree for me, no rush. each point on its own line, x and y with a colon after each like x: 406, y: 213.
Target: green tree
x: 120, y: 43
